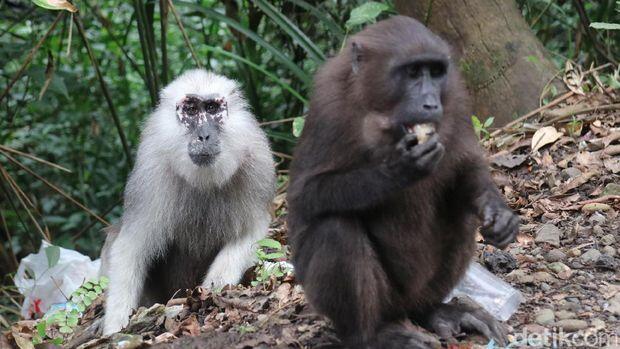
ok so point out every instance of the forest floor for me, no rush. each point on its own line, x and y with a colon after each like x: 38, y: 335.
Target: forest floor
x: 563, y: 180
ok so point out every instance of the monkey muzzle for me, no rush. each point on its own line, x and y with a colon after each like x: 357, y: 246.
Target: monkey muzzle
x: 203, y: 118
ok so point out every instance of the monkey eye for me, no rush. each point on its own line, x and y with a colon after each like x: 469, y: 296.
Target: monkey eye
x: 437, y: 70
x: 212, y: 107
x: 414, y: 71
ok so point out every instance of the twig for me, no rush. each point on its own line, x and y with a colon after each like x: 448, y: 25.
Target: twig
x: 581, y: 111
x: 56, y: 189
x: 9, y: 238
x: 274, y: 122
x: 8, y: 178
x: 532, y: 113
x: 30, y: 57
x: 163, y: 20
x: 185, y: 37
x: 282, y: 155
x: 176, y: 301
x: 104, y: 87
x: 598, y: 200
x: 32, y: 157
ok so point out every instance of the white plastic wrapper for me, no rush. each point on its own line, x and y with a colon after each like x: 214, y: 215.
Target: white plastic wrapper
x: 492, y: 293
x: 44, y: 286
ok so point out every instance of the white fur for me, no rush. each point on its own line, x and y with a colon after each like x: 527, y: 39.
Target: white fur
x: 145, y: 228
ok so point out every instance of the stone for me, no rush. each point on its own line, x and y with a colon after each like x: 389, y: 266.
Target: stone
x: 543, y: 276
x: 561, y: 270
x: 608, y: 239
x: 610, y: 251
x: 555, y: 255
x: 545, y: 317
x: 591, y: 256
x: 565, y: 314
x: 550, y: 234
x: 612, y: 189
x: 598, y: 324
x: 570, y: 172
x: 520, y: 276
x: 571, y: 325
x: 597, y: 230
x: 606, y: 262
x: 614, y: 306
x: 574, y: 252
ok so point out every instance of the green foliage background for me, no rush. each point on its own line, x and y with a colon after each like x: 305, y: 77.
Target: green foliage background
x: 56, y: 110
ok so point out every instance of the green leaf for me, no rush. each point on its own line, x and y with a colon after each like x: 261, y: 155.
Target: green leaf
x: 298, y: 125
x: 270, y: 243
x: 292, y: 30
x: 103, y: 281
x: 55, y: 5
x: 41, y: 327
x: 87, y: 302
x: 366, y: 13
x: 53, y: 255
x: 323, y: 16
x: 72, y: 321
x: 275, y: 255
x: 488, y: 122
x: 87, y: 285
x: 98, y: 289
x: 57, y: 341
x: 605, y: 26
x: 81, y: 307
x: 277, y: 53
x: 65, y: 330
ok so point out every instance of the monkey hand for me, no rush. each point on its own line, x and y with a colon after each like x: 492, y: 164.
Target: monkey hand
x: 499, y: 223
x: 412, y: 161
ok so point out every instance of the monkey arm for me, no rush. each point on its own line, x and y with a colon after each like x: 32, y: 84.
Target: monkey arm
x: 130, y: 255
x: 499, y: 223
x: 342, y: 192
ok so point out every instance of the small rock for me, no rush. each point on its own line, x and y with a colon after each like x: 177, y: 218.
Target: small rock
x: 555, y: 255
x: 564, y: 314
x: 597, y: 230
x: 574, y: 252
x: 545, y: 287
x: 597, y: 217
x: 550, y: 234
x: 591, y: 256
x: 561, y: 270
x: 598, y: 324
x: 543, y: 276
x: 571, y: 325
x: 499, y: 261
x: 545, y: 317
x: 606, y: 262
x: 594, y: 207
x: 608, y: 239
x: 614, y: 306
x: 569, y: 173
x: 520, y: 276
x: 612, y: 189
x: 610, y: 251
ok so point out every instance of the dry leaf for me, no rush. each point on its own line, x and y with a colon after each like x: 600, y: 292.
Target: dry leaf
x: 545, y: 135
x: 573, y: 78
x: 56, y: 5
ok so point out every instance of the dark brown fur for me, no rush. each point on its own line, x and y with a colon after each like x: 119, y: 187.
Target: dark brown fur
x: 370, y: 251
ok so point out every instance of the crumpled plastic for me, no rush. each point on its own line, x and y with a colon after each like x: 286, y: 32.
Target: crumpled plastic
x: 44, y: 286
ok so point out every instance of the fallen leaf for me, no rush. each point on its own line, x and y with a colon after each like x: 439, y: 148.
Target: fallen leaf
x: 545, y: 135
x: 508, y: 160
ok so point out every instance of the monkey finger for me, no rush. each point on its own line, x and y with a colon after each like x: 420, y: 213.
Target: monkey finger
x: 426, y: 147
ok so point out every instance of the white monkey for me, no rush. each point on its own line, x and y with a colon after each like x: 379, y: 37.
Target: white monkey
x: 196, y: 201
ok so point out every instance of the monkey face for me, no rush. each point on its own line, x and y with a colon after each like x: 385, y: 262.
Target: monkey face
x: 203, y: 118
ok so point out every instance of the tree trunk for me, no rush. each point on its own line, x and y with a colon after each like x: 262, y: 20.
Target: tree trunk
x: 505, y: 66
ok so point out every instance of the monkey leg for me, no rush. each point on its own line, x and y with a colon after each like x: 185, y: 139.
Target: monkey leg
x: 344, y: 280
x: 462, y: 313
x: 236, y: 256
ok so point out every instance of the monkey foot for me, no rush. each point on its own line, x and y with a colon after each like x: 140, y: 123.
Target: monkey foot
x: 463, y: 313
x: 406, y: 336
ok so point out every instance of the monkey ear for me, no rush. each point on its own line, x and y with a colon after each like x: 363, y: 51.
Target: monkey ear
x: 356, y: 56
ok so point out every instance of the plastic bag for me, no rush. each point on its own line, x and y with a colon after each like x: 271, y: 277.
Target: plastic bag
x: 492, y: 293
x: 49, y: 276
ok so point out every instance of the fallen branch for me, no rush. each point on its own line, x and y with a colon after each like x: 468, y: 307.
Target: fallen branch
x: 599, y: 200
x: 573, y: 112
x: 532, y: 113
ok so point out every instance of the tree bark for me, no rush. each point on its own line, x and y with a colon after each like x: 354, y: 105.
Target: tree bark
x: 505, y: 66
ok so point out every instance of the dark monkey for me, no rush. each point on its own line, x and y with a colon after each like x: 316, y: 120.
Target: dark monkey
x: 387, y: 188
